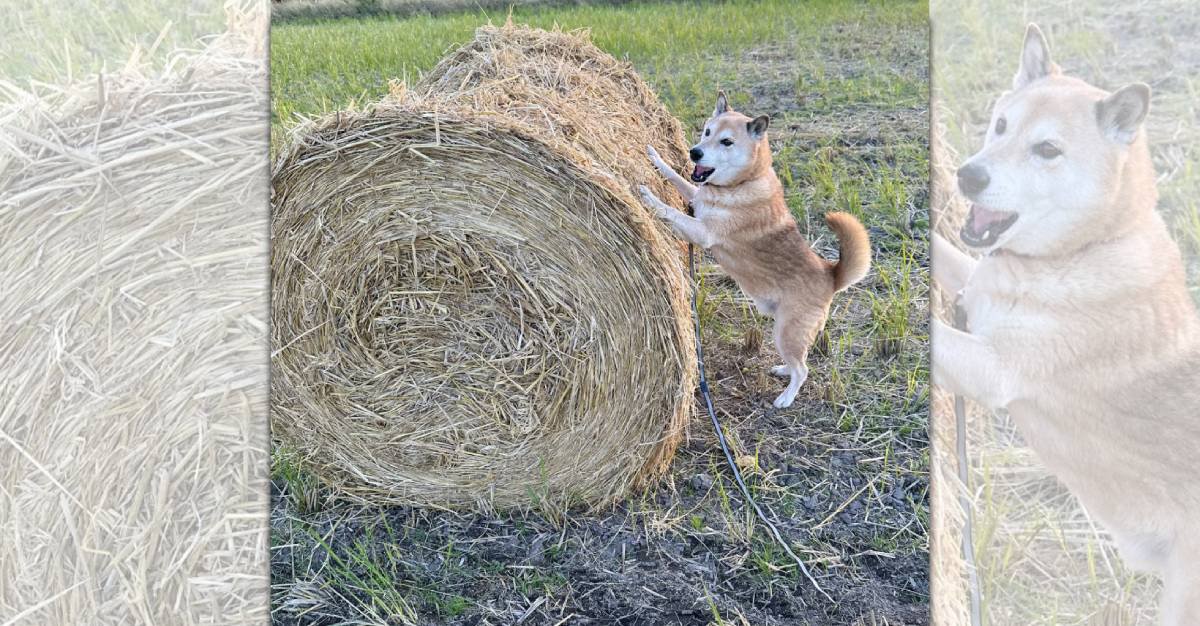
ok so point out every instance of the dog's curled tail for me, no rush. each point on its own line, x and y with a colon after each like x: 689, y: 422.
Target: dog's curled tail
x: 854, y: 249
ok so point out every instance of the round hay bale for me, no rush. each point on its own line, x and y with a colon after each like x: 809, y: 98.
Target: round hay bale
x: 133, y: 376
x: 561, y: 84
x: 469, y: 311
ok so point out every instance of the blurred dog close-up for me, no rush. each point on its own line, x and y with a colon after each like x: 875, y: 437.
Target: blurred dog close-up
x: 1078, y: 319
x: 742, y: 220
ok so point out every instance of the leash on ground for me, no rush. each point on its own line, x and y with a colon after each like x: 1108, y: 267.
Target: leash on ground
x: 968, y: 542
x: 729, y: 460
x: 960, y: 440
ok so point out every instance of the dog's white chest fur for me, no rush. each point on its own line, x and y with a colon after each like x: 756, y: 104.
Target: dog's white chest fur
x: 1006, y: 305
x: 717, y: 221
x: 1041, y: 332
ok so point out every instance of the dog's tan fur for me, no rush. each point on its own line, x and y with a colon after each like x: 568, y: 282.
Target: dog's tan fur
x: 1079, y: 319
x: 741, y: 219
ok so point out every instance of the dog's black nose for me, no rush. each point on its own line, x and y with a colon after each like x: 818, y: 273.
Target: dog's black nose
x: 696, y: 154
x: 973, y: 179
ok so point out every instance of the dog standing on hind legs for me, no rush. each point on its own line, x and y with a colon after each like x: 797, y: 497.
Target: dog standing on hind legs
x: 1079, y: 319
x: 741, y: 219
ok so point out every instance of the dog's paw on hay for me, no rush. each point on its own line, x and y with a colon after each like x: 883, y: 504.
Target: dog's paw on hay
x: 470, y: 306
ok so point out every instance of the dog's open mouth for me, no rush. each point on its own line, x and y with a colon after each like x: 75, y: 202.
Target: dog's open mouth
x: 984, y: 226
x: 701, y: 173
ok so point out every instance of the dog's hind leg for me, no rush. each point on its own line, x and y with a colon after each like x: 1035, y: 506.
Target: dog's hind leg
x: 797, y: 374
x: 793, y: 336
x: 685, y: 189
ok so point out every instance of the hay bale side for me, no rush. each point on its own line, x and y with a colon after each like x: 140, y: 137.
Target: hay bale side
x: 564, y: 87
x: 467, y: 314
x: 133, y: 485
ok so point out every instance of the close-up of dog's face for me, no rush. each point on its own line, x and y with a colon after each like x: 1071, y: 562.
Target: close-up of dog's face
x: 729, y: 145
x: 1049, y: 176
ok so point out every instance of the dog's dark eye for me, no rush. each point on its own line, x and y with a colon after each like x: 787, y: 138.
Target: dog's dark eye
x: 726, y: 142
x: 1046, y: 150
x: 1001, y: 125
x: 707, y: 132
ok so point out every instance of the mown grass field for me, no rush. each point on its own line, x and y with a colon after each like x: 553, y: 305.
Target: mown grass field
x: 69, y: 39
x: 323, y: 9
x: 319, y: 65
x: 844, y: 469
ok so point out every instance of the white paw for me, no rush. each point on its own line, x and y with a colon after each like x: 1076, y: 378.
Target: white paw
x: 784, y: 400
x: 782, y: 371
x: 659, y: 164
x: 647, y: 195
x: 652, y: 201
x: 798, y: 376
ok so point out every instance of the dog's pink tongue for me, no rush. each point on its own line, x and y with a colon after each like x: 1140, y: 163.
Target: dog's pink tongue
x: 982, y: 219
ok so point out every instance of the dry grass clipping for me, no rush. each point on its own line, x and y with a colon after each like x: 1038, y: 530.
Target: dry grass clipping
x: 470, y: 306
x: 133, y: 376
x: 563, y: 86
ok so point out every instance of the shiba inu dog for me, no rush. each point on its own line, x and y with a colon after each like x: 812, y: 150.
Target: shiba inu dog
x: 1079, y: 322
x: 742, y: 220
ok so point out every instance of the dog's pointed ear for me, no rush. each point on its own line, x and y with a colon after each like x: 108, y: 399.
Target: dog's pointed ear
x: 1035, y: 58
x: 757, y: 127
x: 1120, y: 115
x: 722, y: 104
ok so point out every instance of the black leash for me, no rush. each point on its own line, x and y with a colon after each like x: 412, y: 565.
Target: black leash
x: 733, y: 467
x: 964, y: 501
x: 968, y: 541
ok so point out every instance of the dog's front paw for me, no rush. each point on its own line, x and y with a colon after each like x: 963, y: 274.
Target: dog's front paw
x: 652, y: 201
x: 659, y: 164
x: 647, y: 195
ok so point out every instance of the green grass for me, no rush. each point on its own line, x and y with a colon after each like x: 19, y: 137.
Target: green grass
x: 373, y: 567
x: 322, y: 65
x: 69, y: 39
x: 312, y: 9
x: 304, y: 489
